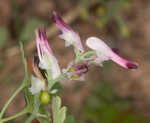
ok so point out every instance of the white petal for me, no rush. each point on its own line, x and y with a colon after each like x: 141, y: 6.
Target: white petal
x: 36, y: 85
x: 54, y: 91
x: 72, y: 38
x: 67, y: 44
x: 98, y: 45
x: 55, y: 68
x: 102, y: 57
x: 105, y: 53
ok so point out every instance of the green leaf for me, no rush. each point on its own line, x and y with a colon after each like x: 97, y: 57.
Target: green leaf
x: 59, y: 113
x: 58, y: 87
x: 56, y: 104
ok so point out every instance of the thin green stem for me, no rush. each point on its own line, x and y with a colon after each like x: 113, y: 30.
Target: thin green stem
x: 14, y: 116
x: 42, y: 115
x: 60, y: 77
x: 89, y: 53
x: 79, y: 58
x: 10, y: 99
x: 35, y: 108
x: 52, y: 82
x: 24, y: 60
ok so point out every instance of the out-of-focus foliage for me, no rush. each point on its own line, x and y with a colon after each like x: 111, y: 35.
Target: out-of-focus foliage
x: 107, y: 11
x: 24, y: 30
x: 104, y: 107
x: 28, y: 31
x: 3, y: 36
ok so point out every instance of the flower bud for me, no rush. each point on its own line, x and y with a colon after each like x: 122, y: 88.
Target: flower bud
x: 77, y: 71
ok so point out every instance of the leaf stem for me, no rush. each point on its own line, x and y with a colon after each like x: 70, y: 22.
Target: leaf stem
x: 11, y: 98
x: 52, y: 82
x: 14, y: 116
x: 79, y: 58
x: 36, y: 106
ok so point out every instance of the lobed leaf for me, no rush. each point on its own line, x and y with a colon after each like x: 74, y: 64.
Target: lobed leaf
x: 59, y: 113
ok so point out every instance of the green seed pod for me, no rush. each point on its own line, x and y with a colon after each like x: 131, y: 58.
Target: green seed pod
x: 45, y: 97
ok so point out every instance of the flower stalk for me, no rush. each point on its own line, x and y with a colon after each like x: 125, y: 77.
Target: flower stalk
x: 10, y: 99
x: 23, y: 112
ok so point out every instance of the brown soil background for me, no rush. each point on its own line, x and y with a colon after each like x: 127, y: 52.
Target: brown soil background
x: 133, y: 86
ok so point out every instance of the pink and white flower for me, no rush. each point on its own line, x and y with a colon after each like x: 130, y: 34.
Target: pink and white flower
x: 70, y: 37
x: 76, y: 71
x: 47, y: 60
x: 105, y: 53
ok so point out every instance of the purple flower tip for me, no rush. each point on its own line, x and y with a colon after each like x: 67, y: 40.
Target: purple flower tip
x: 36, y: 60
x: 44, y: 33
x: 35, y: 66
x: 84, y: 67
x: 131, y: 66
x: 39, y: 33
x: 116, y: 50
x: 56, y: 18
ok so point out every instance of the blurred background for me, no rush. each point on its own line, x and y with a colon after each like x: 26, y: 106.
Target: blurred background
x: 110, y: 94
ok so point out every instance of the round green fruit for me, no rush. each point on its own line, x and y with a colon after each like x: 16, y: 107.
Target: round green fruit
x: 45, y: 97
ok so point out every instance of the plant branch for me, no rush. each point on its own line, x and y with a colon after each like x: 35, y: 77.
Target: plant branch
x: 14, y: 116
x: 10, y: 99
x: 35, y: 108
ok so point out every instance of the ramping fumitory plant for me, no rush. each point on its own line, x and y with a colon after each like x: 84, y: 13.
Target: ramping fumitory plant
x: 39, y: 85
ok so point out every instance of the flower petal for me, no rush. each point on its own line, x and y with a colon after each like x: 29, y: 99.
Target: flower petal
x: 46, y: 57
x: 36, y: 85
x: 106, y: 53
x: 71, y: 37
x: 55, y: 68
x: 56, y: 18
x: 76, y: 71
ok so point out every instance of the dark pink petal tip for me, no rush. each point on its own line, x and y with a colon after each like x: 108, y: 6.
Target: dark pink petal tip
x: 116, y: 50
x: 39, y: 33
x: 131, y: 66
x: 42, y: 33
x: 35, y: 60
x: 56, y: 18
x: 35, y: 63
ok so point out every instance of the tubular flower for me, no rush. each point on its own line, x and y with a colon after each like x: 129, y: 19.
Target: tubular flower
x: 104, y: 53
x: 76, y: 72
x: 70, y: 37
x: 46, y: 58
